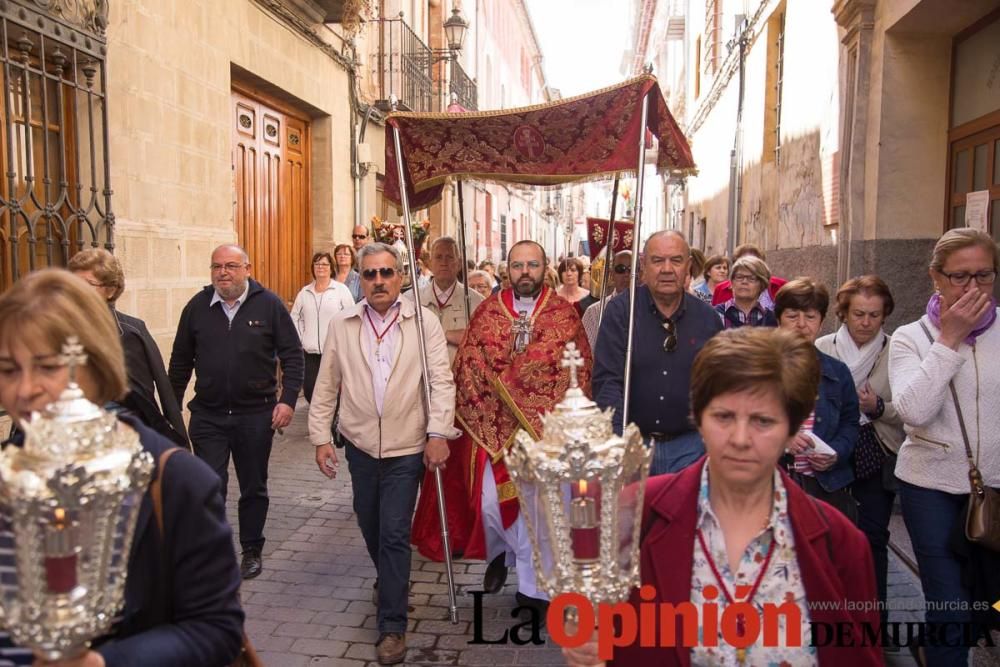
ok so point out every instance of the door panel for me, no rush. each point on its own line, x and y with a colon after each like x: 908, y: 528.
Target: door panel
x: 974, y: 165
x: 271, y: 184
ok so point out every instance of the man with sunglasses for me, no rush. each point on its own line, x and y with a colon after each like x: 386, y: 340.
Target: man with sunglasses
x: 508, y: 373
x: 671, y: 326
x: 371, y: 360
x: 621, y: 273
x: 360, y: 237
x: 229, y: 335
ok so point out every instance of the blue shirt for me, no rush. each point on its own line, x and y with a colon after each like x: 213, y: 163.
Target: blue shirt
x: 659, y: 398
x: 230, y: 311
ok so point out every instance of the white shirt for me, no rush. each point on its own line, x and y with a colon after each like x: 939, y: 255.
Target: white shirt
x: 525, y: 304
x: 380, y: 355
x: 230, y: 311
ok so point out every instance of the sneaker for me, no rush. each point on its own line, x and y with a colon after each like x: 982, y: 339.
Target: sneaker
x: 390, y: 648
x: 252, y: 564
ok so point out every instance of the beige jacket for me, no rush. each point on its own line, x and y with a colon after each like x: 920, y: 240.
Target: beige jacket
x: 889, y: 426
x: 404, y: 424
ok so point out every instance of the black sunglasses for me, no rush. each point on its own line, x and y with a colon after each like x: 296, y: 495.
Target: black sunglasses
x: 359, y: 236
x: 670, y: 343
x: 622, y: 268
x: 385, y: 272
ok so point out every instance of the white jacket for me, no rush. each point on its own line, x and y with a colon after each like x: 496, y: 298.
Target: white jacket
x: 312, y: 312
x: 933, y: 454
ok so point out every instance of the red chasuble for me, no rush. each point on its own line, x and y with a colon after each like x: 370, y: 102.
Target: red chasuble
x: 499, y: 391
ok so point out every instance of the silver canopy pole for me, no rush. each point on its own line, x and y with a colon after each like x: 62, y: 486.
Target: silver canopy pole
x: 461, y: 246
x: 626, y: 394
x: 438, y: 483
x: 608, y: 252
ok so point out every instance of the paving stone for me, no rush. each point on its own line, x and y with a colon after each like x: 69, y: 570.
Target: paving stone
x: 323, y: 648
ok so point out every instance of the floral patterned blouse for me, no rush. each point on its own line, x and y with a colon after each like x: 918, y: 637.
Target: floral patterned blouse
x: 781, y: 583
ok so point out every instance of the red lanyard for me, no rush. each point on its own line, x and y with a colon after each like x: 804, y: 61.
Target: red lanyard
x: 380, y: 336
x: 741, y: 621
x: 440, y: 303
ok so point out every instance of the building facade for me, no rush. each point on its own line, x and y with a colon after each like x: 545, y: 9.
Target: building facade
x: 842, y: 137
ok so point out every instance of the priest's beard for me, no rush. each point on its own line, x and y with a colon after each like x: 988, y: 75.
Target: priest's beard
x: 526, y: 288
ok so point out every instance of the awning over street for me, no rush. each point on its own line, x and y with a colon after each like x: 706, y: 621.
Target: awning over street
x: 587, y: 137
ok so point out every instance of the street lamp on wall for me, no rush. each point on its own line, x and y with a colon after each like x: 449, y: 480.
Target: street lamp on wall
x: 455, y: 29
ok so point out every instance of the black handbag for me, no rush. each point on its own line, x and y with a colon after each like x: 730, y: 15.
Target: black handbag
x: 869, y: 453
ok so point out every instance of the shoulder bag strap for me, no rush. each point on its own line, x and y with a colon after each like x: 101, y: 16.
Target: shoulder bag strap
x: 156, y: 491
x: 974, y: 475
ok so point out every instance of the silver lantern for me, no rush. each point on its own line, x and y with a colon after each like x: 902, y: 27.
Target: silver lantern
x: 581, y: 491
x: 69, y: 500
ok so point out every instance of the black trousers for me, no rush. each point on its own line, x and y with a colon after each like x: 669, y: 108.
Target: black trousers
x: 312, y: 371
x: 248, y: 437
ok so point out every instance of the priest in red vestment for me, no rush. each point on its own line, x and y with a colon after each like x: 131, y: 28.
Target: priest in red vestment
x: 508, y: 373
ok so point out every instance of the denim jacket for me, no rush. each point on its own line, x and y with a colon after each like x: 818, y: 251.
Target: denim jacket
x: 837, y: 420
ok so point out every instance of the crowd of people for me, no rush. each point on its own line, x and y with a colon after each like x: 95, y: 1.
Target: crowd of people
x: 770, y: 441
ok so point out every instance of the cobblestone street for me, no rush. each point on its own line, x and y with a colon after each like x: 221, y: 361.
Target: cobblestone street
x: 312, y: 603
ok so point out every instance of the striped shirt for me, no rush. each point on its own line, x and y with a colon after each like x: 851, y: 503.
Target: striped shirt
x: 802, y: 465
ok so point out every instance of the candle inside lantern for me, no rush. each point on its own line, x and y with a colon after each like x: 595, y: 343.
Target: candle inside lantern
x: 60, y: 555
x: 584, y: 531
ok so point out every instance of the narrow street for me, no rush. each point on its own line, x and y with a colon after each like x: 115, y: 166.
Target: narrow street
x: 312, y: 603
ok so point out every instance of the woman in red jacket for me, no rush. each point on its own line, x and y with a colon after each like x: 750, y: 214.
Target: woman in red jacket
x: 733, y: 530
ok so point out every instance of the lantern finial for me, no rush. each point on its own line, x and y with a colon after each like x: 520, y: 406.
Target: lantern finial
x: 73, y: 356
x: 573, y: 360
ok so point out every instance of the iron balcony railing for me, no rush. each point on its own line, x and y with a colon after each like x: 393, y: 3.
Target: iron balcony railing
x: 463, y: 86
x: 404, y: 68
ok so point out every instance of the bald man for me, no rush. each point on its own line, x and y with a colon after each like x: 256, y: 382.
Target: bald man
x: 229, y: 335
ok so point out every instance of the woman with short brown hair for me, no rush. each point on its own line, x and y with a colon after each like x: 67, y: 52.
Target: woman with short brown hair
x: 570, y: 280
x: 733, y: 520
x: 862, y: 304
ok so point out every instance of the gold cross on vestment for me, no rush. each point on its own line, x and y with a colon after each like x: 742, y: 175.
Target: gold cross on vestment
x: 521, y: 329
x: 573, y: 360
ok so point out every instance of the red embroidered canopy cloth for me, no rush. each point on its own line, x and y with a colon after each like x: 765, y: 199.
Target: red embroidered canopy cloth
x: 580, y: 138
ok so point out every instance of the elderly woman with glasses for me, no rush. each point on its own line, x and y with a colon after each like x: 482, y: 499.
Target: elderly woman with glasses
x: 315, y: 305
x: 750, y: 278
x: 945, y: 375
x: 345, y: 259
x: 732, y: 527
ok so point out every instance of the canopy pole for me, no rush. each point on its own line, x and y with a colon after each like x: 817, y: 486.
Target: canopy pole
x: 608, y: 251
x: 640, y: 178
x: 463, y: 239
x: 421, y: 340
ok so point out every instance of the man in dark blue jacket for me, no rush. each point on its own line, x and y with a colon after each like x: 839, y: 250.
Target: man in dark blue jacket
x: 230, y: 335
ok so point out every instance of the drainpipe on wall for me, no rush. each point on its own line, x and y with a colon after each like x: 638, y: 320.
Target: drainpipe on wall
x: 735, y: 156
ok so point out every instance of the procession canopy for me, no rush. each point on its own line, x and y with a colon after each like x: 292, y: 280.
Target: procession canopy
x: 590, y: 136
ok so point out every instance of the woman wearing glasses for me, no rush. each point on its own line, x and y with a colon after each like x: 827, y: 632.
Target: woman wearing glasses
x: 750, y: 278
x: 345, y: 259
x: 316, y: 304
x: 716, y: 271
x: 945, y: 376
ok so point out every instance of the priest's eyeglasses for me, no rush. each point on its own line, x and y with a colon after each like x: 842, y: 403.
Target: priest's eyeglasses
x: 962, y: 278
x: 386, y: 272
x: 670, y: 343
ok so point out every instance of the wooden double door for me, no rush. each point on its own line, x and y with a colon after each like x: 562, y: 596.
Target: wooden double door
x: 271, y: 190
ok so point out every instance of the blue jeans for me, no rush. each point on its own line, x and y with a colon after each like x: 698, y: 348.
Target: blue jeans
x: 385, y: 494
x: 677, y: 454
x: 930, y: 517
